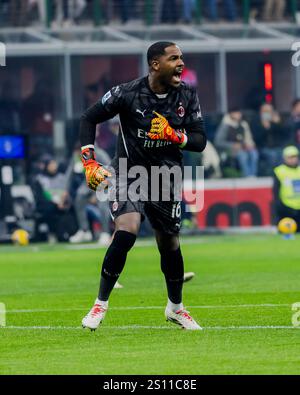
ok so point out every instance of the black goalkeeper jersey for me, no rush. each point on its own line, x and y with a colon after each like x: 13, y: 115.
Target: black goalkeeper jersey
x: 135, y: 102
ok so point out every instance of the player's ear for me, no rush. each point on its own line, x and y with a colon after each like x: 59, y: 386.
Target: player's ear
x: 155, y: 65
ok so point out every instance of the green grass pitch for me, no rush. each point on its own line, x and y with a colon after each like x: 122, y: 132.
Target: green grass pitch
x: 242, y: 296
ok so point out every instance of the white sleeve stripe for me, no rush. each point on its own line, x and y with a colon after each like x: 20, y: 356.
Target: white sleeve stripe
x: 185, y: 140
x: 123, y: 138
x: 88, y: 146
x: 112, y: 217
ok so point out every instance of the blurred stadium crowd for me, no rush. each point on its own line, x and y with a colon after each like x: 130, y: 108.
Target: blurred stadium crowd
x: 242, y: 144
x: 65, y: 13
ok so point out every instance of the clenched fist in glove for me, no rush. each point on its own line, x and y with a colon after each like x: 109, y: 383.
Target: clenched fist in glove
x: 94, y: 172
x: 161, y: 130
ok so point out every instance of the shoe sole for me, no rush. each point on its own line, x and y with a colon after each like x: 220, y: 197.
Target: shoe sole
x: 173, y: 321
x: 91, y: 329
x: 189, y: 277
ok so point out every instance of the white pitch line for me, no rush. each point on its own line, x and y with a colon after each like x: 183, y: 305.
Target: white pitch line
x: 139, y: 243
x: 250, y: 327
x: 126, y: 327
x: 233, y: 306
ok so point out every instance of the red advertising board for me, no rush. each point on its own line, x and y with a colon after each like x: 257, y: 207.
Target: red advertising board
x: 242, y: 202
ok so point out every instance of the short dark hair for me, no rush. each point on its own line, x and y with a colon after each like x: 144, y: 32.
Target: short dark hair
x: 234, y: 109
x: 295, y: 102
x: 157, y: 49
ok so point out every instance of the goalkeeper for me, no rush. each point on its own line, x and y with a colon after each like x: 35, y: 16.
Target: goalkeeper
x: 159, y: 117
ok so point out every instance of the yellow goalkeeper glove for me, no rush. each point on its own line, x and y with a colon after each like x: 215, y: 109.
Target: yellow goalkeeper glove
x: 95, y: 173
x: 161, y: 130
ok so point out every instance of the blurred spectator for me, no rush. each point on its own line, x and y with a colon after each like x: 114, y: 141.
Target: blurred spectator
x: 235, y: 138
x: 127, y: 9
x: 269, y: 136
x: 211, y: 161
x: 4, y: 12
x: 95, y: 90
x: 170, y: 11
x: 38, y: 109
x: 106, y: 133
x: 38, y: 167
x: 274, y: 10
x: 293, y: 123
x: 188, y: 8
x: 254, y: 97
x: 41, y: 6
x: 38, y: 116
x: 10, y: 121
x: 213, y: 12
x: 286, y: 187
x: 91, y: 94
x: 19, y: 12
x: 106, y: 136
x: 53, y: 203
x: 68, y: 11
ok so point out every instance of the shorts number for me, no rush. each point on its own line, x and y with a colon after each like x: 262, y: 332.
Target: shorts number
x: 176, y: 210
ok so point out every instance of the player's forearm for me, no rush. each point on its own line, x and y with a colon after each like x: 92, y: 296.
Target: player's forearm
x: 88, y: 121
x: 196, y: 138
x: 87, y: 132
x: 94, y: 171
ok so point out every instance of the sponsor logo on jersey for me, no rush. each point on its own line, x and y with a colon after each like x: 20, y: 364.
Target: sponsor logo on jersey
x: 141, y: 112
x: 148, y: 143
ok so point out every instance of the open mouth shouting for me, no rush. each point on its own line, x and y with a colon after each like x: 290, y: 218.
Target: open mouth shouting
x: 176, y: 78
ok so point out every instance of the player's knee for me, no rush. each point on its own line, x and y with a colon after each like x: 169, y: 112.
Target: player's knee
x: 167, y: 243
x: 124, y: 240
x: 128, y: 223
x: 129, y: 228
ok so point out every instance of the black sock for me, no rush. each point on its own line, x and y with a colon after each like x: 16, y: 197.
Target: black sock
x: 173, y: 269
x: 114, y: 262
x: 106, y: 286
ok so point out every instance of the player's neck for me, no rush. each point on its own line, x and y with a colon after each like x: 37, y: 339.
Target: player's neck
x: 156, y: 86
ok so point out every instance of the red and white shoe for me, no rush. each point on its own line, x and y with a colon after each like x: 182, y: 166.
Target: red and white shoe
x: 94, y: 318
x: 182, y: 318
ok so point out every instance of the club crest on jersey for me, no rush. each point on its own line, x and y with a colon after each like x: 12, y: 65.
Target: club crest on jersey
x: 115, y: 206
x: 180, y: 111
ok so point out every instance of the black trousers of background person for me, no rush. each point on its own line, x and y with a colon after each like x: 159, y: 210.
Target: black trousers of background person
x: 283, y: 211
x: 61, y: 222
